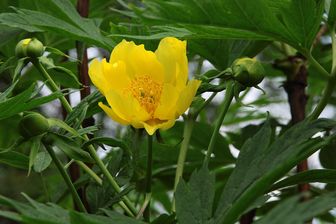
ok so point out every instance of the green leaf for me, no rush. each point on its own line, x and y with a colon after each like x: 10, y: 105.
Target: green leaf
x: 292, y: 211
x: 60, y: 53
x: 194, y: 200
x: 8, y: 106
x: 37, y: 213
x: 42, y: 161
x: 77, y: 217
x: 81, y: 111
x: 310, y: 176
x: 21, y: 63
x: 49, y: 64
x: 31, y: 21
x: 24, y: 101
x: 107, y: 141
x: 14, y: 159
x: 197, y: 31
x: 11, y: 215
x: 330, y: 7
x: 260, y: 164
x: 61, y: 124
x: 34, y: 149
x: 70, y: 148
x: 217, y: 19
x: 327, y: 156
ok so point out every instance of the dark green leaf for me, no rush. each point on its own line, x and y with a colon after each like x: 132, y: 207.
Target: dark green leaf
x: 77, y: 217
x: 310, y: 176
x: 194, y: 200
x: 327, y: 156
x: 257, y: 158
x: 331, y: 10
x: 292, y: 211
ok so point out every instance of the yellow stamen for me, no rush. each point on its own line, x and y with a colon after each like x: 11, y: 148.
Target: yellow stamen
x: 147, y: 92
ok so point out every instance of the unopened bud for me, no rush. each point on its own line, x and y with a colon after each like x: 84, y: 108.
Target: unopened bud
x: 33, y: 124
x: 248, y: 72
x: 32, y: 48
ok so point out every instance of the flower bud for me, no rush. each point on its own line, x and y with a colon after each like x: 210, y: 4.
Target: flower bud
x: 21, y: 48
x: 33, y: 124
x: 32, y: 48
x: 247, y: 71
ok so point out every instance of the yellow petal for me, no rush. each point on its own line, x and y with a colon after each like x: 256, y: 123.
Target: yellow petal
x: 186, y: 96
x: 172, y: 54
x: 152, y: 125
x: 97, y: 77
x: 109, y: 111
x: 116, y: 76
x: 138, y: 60
x: 166, y: 108
x: 126, y: 107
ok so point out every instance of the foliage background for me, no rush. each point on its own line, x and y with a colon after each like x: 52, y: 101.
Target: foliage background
x: 218, y: 32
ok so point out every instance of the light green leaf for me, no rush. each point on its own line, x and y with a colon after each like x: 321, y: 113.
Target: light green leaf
x: 34, y: 149
x: 42, y: 161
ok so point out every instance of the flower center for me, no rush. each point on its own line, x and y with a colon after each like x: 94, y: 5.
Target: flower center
x: 147, y: 92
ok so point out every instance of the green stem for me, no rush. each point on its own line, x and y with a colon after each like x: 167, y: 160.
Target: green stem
x: 129, y: 208
x: 198, y: 111
x: 52, y: 85
x: 330, y: 84
x: 66, y: 178
x: 188, y: 127
x: 149, y: 176
x: 90, y: 172
x: 224, y: 108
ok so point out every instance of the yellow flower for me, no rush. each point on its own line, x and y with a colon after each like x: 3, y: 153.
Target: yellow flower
x: 145, y: 89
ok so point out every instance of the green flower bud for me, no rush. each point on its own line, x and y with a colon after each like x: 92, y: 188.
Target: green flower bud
x: 32, y: 48
x: 247, y: 71
x: 33, y: 124
x: 21, y: 48
x: 35, y: 48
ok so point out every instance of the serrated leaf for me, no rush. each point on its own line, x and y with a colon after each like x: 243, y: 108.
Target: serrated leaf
x: 256, y: 160
x: 217, y: 19
x: 194, y: 200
